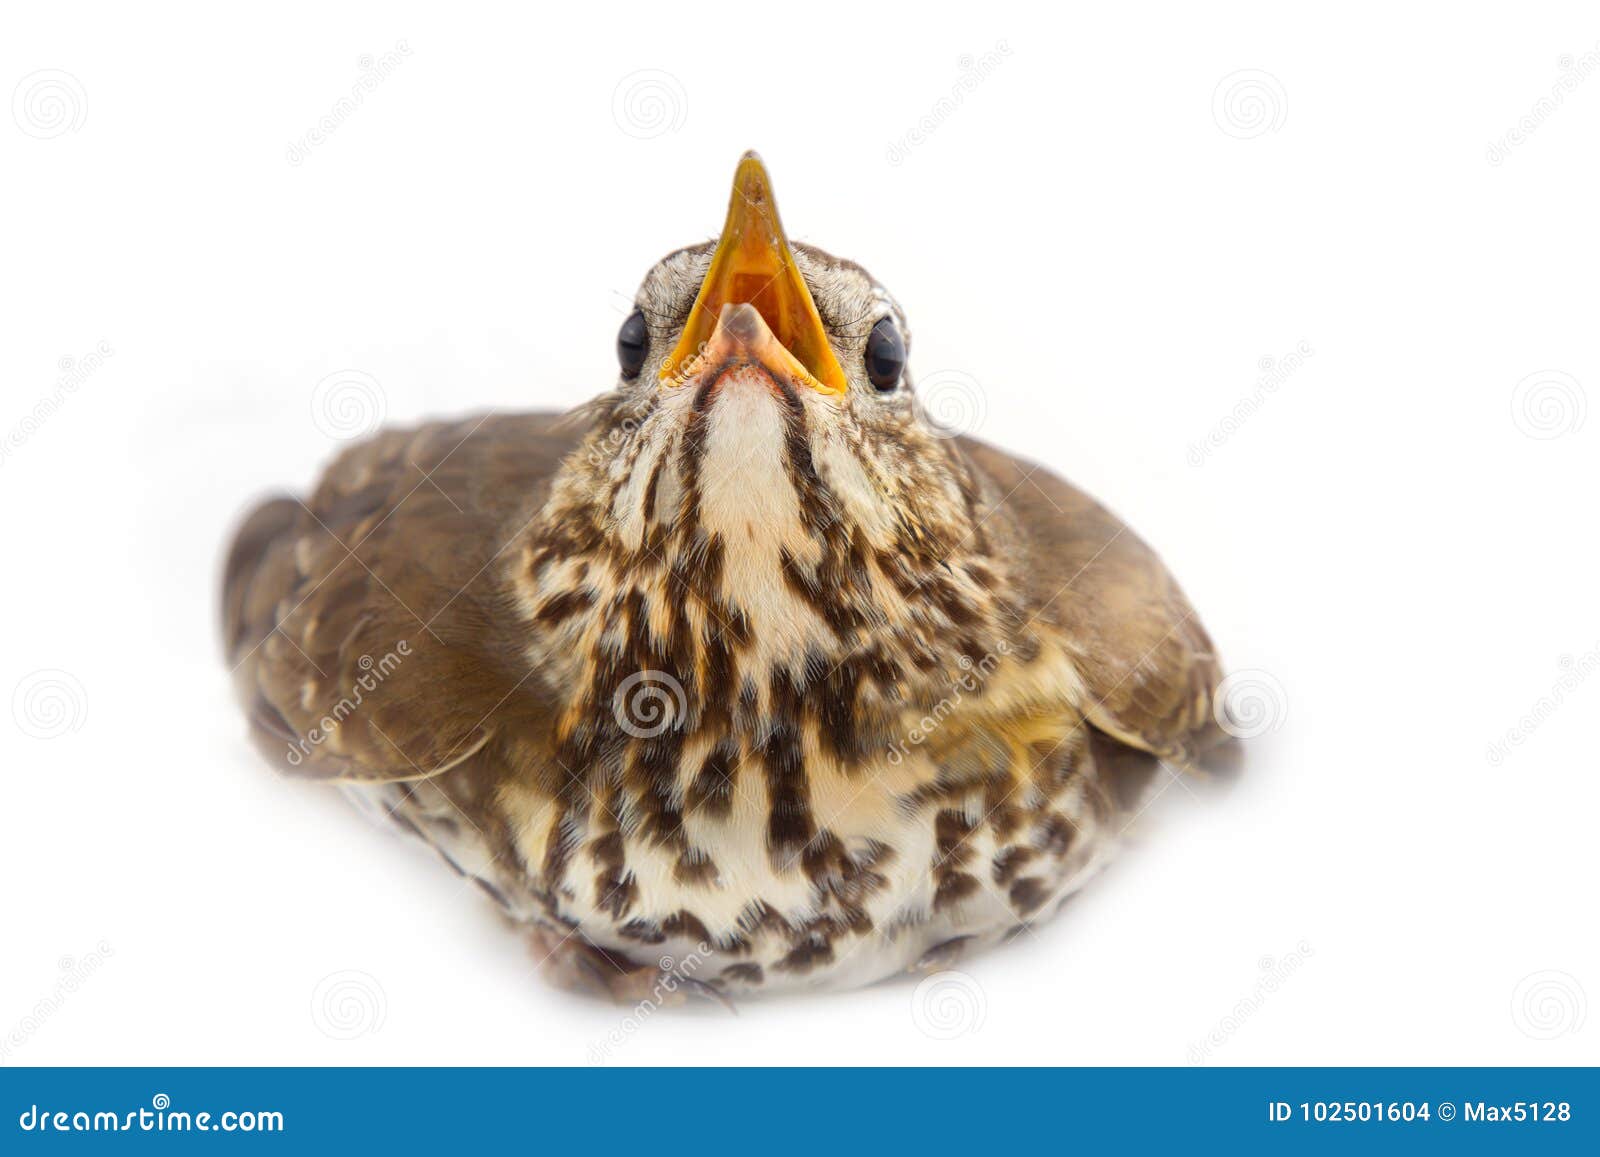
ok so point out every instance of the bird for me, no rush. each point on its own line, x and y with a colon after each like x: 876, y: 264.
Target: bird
x: 745, y: 677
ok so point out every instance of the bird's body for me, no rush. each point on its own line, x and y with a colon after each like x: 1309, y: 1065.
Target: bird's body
x: 748, y: 667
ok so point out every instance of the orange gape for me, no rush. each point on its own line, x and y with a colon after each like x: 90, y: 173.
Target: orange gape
x: 752, y: 265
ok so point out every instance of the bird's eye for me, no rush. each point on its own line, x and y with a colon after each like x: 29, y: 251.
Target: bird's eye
x: 633, y: 340
x: 886, y: 355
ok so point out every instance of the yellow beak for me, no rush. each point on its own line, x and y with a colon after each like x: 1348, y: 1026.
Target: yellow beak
x: 778, y: 327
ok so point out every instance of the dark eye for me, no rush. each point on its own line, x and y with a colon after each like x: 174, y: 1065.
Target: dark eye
x: 633, y: 340
x: 886, y: 355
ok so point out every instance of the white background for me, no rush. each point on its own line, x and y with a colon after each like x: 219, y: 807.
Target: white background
x: 1399, y: 538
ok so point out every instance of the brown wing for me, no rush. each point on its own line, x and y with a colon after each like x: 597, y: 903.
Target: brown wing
x: 361, y: 623
x: 1148, y: 665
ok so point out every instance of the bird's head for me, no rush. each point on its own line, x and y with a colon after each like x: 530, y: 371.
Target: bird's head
x: 764, y: 392
x: 763, y: 454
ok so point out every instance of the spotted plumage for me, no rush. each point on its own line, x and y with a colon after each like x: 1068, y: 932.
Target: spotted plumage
x: 744, y: 663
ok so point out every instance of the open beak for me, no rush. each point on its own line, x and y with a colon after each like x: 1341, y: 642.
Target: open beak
x: 754, y: 307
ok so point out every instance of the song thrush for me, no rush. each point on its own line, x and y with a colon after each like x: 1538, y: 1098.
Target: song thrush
x: 744, y: 663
